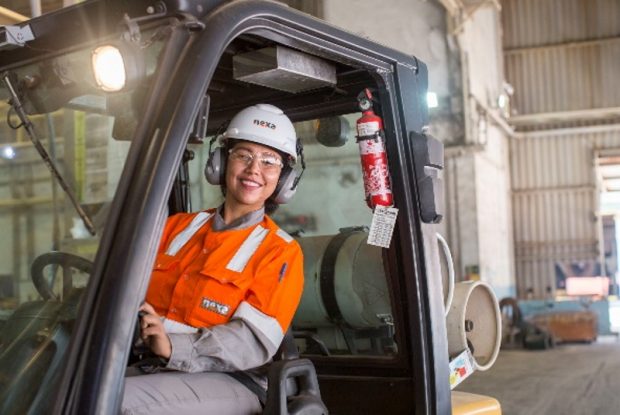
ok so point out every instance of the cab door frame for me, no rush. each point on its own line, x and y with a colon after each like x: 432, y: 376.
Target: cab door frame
x: 94, y: 377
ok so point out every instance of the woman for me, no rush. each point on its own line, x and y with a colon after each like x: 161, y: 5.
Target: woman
x: 226, y: 281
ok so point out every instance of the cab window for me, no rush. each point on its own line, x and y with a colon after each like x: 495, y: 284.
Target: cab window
x: 346, y: 309
x: 49, y: 242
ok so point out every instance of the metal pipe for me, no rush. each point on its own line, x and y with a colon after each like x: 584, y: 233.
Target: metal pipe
x: 605, y: 128
x: 451, y: 273
x: 35, y: 8
x: 9, y: 16
x: 469, y: 139
x: 497, y: 120
x: 570, y: 189
x: 558, y: 243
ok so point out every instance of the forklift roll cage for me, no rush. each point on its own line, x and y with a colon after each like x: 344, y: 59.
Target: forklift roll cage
x: 201, y: 32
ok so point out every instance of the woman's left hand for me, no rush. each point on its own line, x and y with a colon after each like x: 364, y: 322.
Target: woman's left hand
x: 153, y: 333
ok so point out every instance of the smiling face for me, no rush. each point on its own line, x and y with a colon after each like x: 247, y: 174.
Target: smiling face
x: 249, y: 181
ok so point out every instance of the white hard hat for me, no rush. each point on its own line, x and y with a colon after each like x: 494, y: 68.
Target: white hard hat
x: 264, y: 124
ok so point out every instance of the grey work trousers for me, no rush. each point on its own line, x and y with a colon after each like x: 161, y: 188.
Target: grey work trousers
x: 180, y: 393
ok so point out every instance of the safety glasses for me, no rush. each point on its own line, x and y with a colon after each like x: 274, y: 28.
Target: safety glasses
x: 266, y: 161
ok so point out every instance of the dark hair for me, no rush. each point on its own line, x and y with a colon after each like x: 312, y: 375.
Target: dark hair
x: 270, y: 204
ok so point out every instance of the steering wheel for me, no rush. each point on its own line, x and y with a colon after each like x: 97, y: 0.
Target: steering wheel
x: 67, y: 262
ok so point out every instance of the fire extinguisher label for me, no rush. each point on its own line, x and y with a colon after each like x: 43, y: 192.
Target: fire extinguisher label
x: 365, y: 129
x: 370, y: 146
x: 382, y: 226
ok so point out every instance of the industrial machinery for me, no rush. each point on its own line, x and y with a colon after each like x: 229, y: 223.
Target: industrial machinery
x: 109, y: 107
x: 517, y: 332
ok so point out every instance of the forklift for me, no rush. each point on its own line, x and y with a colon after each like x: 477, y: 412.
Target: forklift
x: 110, y: 109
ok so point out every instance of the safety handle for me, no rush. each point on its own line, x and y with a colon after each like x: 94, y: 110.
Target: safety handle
x: 451, y: 277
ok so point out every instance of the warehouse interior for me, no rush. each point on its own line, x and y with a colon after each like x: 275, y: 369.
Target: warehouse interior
x: 524, y: 97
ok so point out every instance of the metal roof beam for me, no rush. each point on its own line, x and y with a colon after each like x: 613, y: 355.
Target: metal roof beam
x: 563, y: 45
x: 560, y: 116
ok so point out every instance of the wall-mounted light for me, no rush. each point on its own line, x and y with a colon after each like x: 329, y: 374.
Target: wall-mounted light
x: 431, y: 100
x: 117, y: 65
x: 502, y: 101
x: 8, y: 153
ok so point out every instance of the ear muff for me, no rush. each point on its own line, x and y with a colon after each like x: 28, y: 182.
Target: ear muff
x: 289, y: 179
x: 215, y: 169
x: 215, y: 173
x: 287, y: 186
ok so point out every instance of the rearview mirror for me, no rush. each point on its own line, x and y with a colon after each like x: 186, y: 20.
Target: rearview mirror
x: 332, y: 131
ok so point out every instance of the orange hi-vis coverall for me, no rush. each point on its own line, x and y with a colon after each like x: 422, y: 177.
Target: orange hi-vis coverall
x: 227, y: 292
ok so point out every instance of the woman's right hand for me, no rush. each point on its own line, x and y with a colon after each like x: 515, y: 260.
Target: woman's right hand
x: 153, y: 333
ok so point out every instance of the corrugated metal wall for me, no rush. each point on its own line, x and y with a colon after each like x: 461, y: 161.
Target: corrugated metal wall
x: 554, y: 203
x: 539, y: 22
x: 560, y: 55
x: 565, y: 79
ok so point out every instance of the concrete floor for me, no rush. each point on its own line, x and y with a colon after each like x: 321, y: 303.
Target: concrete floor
x: 569, y: 379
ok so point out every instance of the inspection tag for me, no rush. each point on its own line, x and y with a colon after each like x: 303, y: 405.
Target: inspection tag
x: 460, y: 368
x: 382, y: 226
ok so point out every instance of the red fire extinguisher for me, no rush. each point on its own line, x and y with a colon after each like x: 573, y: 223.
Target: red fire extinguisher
x: 370, y: 139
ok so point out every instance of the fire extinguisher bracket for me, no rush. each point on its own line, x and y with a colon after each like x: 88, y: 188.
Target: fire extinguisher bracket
x: 378, y: 135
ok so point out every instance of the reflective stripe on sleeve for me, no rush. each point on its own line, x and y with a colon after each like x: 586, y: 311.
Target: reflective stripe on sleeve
x: 261, y: 322
x: 186, y: 234
x: 247, y: 249
x: 172, y: 326
x: 285, y: 236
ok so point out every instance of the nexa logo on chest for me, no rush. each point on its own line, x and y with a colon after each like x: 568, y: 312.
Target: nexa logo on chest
x: 266, y: 124
x: 214, y: 306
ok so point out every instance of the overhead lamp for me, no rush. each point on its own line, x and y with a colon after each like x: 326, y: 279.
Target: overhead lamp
x: 117, y: 65
x: 109, y: 68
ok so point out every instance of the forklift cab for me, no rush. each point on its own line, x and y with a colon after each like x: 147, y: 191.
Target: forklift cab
x: 126, y: 151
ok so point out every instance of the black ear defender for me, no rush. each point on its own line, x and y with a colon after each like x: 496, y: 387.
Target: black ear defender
x: 215, y: 169
x: 289, y: 179
x: 215, y: 172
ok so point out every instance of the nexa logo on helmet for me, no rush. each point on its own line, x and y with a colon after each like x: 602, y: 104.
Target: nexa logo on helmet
x: 265, y: 124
